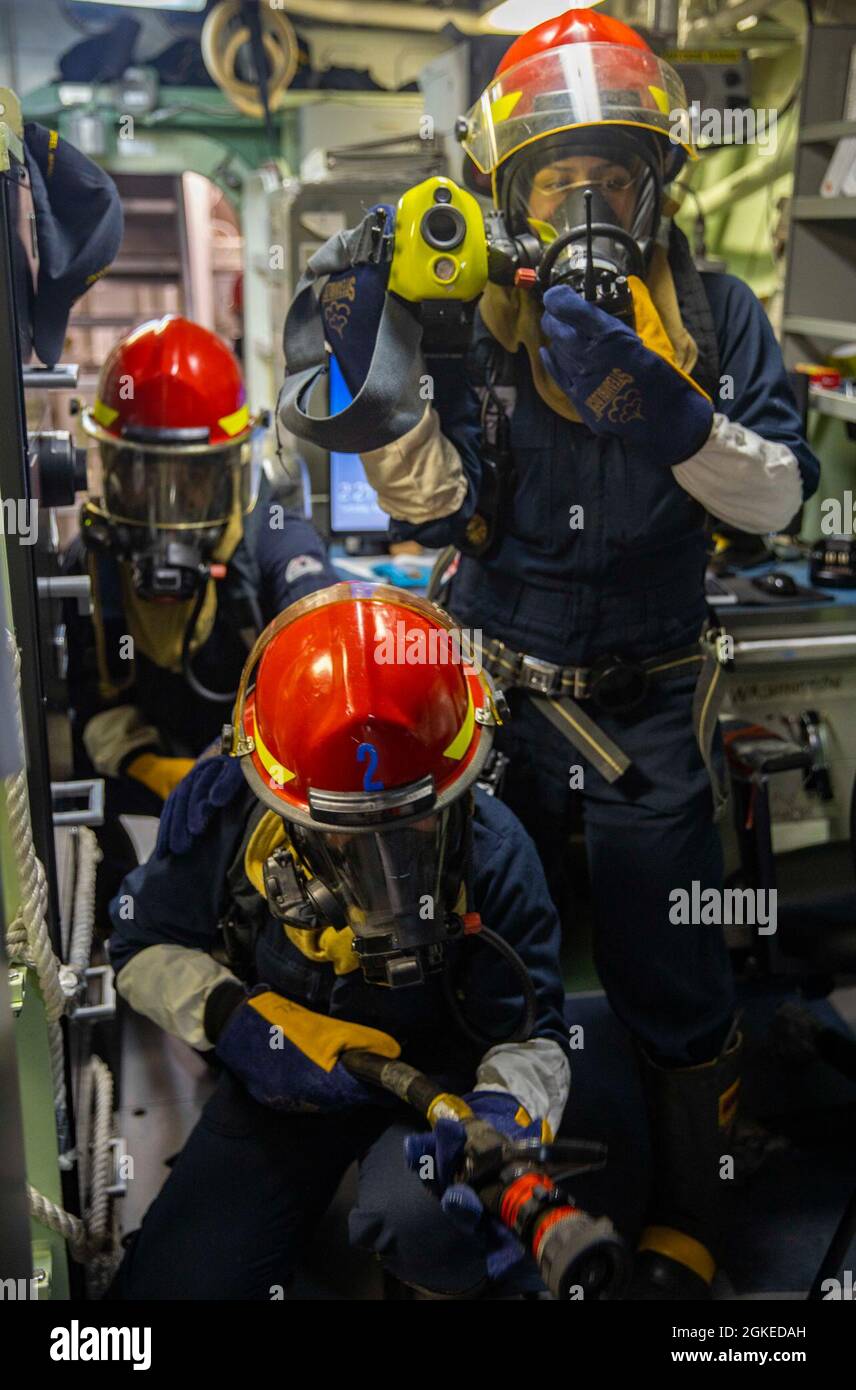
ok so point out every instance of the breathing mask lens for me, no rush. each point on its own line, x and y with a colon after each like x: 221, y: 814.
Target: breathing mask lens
x: 612, y: 180
x: 546, y: 192
x: 555, y: 192
x: 171, y: 491
x: 397, y: 889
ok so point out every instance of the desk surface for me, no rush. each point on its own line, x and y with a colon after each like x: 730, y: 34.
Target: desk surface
x: 782, y: 618
x: 790, y: 617
x: 799, y: 569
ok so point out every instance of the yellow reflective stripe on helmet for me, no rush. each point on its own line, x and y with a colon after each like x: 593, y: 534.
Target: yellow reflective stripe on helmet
x: 503, y: 107
x: 661, y: 99
x: 103, y: 414
x: 461, y: 742
x: 237, y: 421
x: 274, y: 769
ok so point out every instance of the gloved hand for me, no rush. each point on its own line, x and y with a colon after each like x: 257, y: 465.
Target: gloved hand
x: 213, y: 784
x: 351, y: 305
x: 444, y: 1145
x: 288, y: 1056
x: 620, y: 385
x: 159, y: 774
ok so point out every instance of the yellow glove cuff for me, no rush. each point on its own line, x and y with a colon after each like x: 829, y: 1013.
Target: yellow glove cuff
x: 321, y: 1039
x: 160, y: 775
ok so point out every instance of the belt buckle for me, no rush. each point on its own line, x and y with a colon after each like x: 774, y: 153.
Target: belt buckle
x: 540, y: 676
x: 628, y: 679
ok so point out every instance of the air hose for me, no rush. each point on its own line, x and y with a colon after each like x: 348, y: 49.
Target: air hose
x: 217, y: 697
x: 526, y: 1023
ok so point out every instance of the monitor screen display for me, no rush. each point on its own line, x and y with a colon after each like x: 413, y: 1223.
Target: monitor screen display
x: 353, y: 500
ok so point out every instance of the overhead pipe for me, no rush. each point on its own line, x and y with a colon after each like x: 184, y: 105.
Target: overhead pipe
x: 741, y: 183
x: 724, y: 21
x: 418, y: 18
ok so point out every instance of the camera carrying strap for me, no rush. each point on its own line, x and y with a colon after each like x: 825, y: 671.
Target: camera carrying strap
x: 389, y: 403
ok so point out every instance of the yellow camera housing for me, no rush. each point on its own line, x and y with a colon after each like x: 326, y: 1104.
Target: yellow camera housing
x: 440, y: 250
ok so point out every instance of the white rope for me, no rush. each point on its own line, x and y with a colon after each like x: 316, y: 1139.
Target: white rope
x: 28, y: 939
x: 56, y: 1218
x: 98, y: 1208
x: 28, y: 943
x: 83, y: 918
x: 90, y: 1240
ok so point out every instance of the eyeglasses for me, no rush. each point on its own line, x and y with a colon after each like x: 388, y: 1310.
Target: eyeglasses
x: 552, y: 182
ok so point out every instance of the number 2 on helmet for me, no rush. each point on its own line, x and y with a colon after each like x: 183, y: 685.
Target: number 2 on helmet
x: 367, y: 753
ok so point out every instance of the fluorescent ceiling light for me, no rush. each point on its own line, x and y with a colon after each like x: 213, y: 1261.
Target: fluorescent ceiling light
x: 748, y: 23
x: 516, y: 16
x: 194, y: 5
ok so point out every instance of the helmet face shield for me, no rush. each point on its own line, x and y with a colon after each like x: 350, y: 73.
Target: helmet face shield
x: 579, y: 84
x: 389, y: 880
x: 168, y: 491
x: 397, y: 889
x: 174, y: 490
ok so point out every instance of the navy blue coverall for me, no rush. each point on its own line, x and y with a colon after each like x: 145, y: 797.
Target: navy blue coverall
x: 630, y: 582
x: 250, y: 1185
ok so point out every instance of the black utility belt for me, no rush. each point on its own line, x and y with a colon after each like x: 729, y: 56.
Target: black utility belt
x: 613, y: 684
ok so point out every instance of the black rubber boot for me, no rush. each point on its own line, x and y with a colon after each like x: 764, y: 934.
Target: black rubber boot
x: 691, y: 1113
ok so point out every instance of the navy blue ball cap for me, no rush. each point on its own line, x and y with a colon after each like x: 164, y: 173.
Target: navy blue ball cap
x: 79, y: 228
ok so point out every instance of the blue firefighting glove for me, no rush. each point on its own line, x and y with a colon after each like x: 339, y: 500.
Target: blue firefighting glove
x: 288, y: 1056
x: 351, y: 305
x: 444, y: 1146
x: 623, y: 382
x: 212, y: 784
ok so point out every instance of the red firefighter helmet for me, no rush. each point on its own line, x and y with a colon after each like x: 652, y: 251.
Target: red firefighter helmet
x: 366, y: 726
x: 580, y: 69
x: 364, y: 729
x: 574, y: 26
x: 366, y: 710
x: 172, y: 421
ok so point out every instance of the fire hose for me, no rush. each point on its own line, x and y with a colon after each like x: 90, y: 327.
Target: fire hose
x: 520, y: 1183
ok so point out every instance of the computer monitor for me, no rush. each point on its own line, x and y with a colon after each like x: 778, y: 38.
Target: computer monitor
x: 354, y: 510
